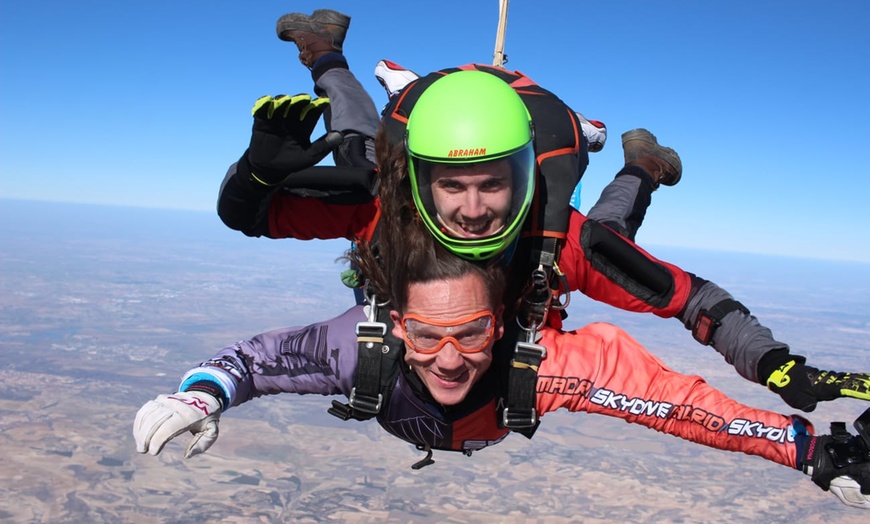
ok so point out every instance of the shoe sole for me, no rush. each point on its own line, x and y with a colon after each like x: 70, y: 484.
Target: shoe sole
x: 312, y: 23
x: 665, y: 153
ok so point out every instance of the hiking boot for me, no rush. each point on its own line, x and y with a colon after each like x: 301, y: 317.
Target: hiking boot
x: 316, y: 34
x: 662, y: 163
x: 393, y: 77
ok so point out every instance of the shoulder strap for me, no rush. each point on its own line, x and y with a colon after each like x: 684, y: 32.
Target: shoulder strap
x: 519, y: 365
x: 379, y: 355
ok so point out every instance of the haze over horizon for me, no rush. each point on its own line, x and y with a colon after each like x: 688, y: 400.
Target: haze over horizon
x: 212, y: 223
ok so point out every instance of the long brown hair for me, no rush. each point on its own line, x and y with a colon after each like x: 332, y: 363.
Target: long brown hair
x: 403, y: 252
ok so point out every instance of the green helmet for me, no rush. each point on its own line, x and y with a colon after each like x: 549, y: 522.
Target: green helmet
x: 467, y: 123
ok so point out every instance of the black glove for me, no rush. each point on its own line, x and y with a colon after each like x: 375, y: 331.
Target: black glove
x: 828, y: 385
x: 802, y: 386
x: 840, y: 462
x: 787, y: 376
x: 281, y: 137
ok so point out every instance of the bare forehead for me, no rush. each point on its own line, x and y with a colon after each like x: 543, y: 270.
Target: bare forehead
x: 449, y: 298
x: 495, y: 168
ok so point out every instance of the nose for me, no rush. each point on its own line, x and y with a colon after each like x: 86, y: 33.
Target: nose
x: 473, y: 204
x: 449, y: 358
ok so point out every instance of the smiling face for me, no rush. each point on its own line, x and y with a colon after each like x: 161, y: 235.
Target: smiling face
x: 449, y: 374
x: 472, y: 200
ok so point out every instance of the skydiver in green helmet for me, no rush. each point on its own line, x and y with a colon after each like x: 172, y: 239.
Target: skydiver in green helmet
x: 472, y: 166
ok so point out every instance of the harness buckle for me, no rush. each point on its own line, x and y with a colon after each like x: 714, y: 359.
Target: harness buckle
x: 511, y: 420
x: 529, y: 352
x: 370, y: 332
x: 561, y: 290
x: 365, y: 403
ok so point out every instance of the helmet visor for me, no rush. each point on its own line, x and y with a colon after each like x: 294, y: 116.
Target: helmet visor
x: 474, y: 205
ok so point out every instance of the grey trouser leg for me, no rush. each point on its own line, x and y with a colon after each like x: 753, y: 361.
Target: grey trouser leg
x: 351, y: 111
x: 623, y: 203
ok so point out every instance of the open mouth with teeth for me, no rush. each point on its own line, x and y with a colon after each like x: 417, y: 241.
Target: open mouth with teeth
x: 451, y: 380
x: 469, y: 230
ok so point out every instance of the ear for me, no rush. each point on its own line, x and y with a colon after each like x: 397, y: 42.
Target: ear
x: 499, y: 322
x: 397, y: 324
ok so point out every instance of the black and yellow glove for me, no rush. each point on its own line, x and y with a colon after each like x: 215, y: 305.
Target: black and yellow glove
x: 281, y: 137
x: 802, y: 386
x: 828, y: 385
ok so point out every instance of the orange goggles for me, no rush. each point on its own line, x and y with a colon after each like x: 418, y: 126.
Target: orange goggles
x: 471, y: 334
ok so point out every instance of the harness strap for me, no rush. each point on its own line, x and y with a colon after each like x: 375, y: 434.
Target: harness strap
x: 374, y: 373
x: 518, y: 403
x: 518, y: 407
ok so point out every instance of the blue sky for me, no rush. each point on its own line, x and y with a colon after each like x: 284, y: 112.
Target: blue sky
x: 146, y: 103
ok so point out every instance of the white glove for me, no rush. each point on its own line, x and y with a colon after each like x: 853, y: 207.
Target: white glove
x: 849, y: 493
x: 164, y: 418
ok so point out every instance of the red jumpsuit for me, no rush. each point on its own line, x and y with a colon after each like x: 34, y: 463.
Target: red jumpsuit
x: 601, y: 369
